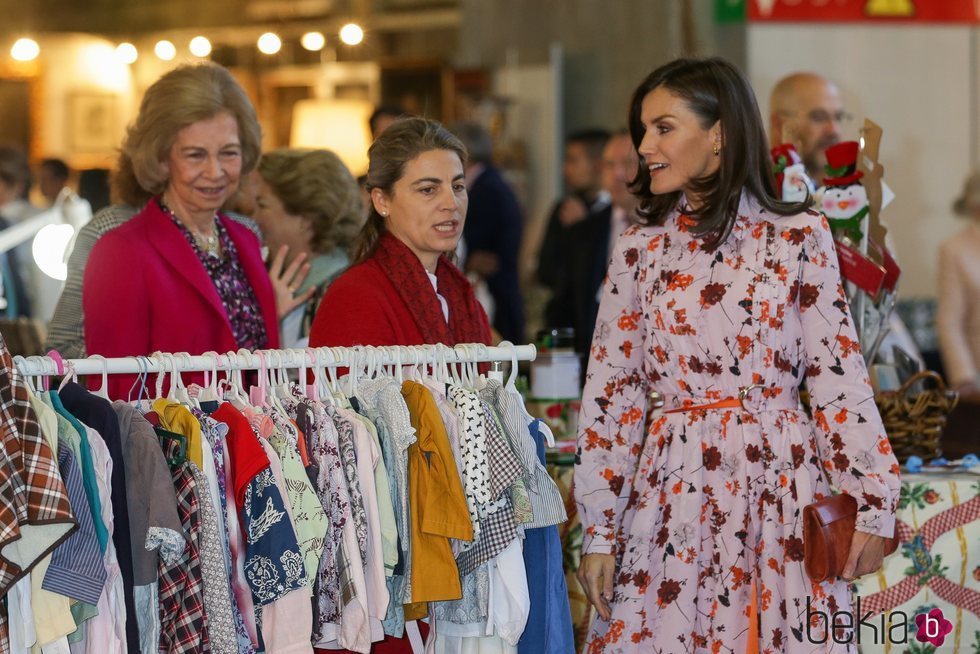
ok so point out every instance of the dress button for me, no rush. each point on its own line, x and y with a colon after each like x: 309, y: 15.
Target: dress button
x: 656, y: 400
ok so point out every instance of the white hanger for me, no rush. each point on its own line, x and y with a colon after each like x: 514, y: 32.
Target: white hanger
x: 274, y: 396
x: 399, y: 373
x: 161, y: 363
x: 511, y: 387
x: 258, y: 395
x: 512, y: 377
x: 103, y: 391
x: 210, y: 392
x: 236, y: 385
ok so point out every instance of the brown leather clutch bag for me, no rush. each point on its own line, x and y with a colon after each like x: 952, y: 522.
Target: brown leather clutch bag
x: 828, y: 527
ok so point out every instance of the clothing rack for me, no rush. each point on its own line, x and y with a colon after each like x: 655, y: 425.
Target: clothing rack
x: 321, y: 357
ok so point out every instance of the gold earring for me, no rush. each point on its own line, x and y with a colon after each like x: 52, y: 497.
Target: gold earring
x: 717, y: 149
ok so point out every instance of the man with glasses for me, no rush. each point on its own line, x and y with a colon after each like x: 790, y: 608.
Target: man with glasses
x: 806, y: 110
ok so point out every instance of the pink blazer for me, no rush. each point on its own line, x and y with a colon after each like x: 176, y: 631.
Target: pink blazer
x: 146, y: 290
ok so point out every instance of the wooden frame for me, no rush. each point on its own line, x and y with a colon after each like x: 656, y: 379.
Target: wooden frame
x: 31, y: 73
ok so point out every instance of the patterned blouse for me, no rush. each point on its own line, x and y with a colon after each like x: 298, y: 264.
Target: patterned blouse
x: 237, y: 296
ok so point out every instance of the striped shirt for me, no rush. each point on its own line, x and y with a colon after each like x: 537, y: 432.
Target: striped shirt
x: 66, y: 331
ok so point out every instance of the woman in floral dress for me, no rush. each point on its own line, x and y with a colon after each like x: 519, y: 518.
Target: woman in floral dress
x: 694, y: 459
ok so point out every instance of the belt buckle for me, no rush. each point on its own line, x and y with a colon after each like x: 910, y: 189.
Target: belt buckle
x: 743, y: 395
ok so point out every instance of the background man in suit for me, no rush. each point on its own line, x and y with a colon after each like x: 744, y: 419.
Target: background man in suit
x: 492, y: 232
x: 588, y: 244
x: 582, y: 172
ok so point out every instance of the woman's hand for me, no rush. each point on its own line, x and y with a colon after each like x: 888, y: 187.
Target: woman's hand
x: 595, y: 573
x: 285, y: 282
x: 866, y: 555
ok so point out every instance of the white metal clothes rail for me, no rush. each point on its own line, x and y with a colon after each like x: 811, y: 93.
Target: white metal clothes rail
x: 358, y: 357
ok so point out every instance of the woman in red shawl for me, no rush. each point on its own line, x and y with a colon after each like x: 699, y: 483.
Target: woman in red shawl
x: 403, y: 290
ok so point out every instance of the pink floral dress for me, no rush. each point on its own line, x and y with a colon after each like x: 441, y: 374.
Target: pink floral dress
x: 698, y: 505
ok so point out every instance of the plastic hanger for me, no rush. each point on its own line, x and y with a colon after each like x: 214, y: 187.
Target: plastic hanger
x: 71, y: 375
x: 139, y: 382
x: 258, y: 395
x: 210, y: 391
x: 511, y: 387
x: 304, y: 385
x: 276, y: 367
x: 59, y: 364
x: 103, y: 390
x: 399, y: 372
x: 235, y: 386
x: 178, y: 392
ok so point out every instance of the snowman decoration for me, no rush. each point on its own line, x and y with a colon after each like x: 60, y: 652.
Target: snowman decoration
x: 792, y: 182
x: 843, y: 199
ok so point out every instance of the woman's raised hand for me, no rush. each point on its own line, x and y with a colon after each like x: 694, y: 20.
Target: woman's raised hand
x: 285, y: 282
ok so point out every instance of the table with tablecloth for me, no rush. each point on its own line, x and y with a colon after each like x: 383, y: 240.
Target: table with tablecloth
x: 936, y: 566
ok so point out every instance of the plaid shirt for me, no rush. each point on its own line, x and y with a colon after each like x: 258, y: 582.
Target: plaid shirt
x: 31, y: 490
x: 183, y: 620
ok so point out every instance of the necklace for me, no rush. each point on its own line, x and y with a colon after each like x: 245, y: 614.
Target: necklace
x: 210, y: 245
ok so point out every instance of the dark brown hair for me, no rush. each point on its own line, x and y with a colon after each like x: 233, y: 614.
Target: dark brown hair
x: 714, y: 90
x: 399, y: 144
x: 181, y: 97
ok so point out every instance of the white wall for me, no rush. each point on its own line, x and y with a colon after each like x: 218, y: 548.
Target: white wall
x: 534, y: 119
x: 77, y: 64
x: 917, y: 82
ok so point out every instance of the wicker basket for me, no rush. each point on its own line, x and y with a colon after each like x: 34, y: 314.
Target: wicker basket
x: 914, y: 423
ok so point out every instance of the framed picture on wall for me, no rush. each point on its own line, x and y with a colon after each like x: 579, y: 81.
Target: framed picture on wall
x: 91, y: 122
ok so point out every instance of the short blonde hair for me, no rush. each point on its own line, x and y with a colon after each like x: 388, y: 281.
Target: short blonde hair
x: 316, y: 185
x: 181, y: 97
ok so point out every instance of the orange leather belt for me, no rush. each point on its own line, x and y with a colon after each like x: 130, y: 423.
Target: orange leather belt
x: 727, y: 403
x: 747, y: 400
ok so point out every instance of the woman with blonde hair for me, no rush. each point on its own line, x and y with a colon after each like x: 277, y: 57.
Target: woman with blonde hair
x: 308, y: 206
x: 180, y: 276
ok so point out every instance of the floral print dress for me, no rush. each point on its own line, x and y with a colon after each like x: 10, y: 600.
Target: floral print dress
x: 698, y: 505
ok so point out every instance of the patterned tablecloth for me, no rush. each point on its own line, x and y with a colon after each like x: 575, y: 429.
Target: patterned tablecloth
x: 936, y: 566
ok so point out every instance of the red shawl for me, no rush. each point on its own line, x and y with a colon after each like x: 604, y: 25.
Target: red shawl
x: 467, y: 320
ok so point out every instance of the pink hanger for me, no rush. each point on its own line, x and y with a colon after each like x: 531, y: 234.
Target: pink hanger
x: 59, y: 364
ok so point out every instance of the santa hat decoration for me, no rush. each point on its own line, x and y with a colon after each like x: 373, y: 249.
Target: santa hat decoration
x: 783, y: 156
x: 841, y: 165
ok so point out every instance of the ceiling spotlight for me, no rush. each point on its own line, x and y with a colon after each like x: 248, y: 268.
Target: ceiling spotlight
x: 313, y: 41
x: 25, y: 50
x: 351, y: 34
x: 200, y: 46
x: 165, y: 50
x: 269, y: 43
x: 126, y: 52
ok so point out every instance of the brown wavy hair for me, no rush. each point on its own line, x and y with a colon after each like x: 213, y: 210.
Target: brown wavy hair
x: 316, y: 185
x: 714, y: 90
x: 181, y: 97
x: 399, y: 144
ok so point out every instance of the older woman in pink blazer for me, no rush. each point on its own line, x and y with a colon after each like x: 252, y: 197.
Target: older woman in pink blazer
x: 958, y: 319
x: 180, y: 276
